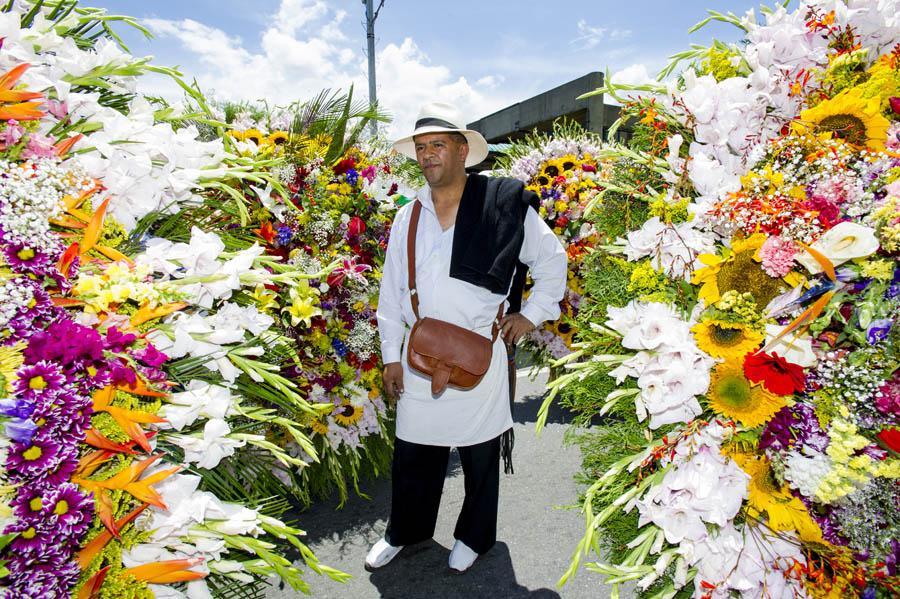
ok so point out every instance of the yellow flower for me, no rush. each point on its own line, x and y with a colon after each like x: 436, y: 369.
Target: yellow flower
x: 264, y: 299
x: 318, y: 426
x: 883, y: 270
x: 11, y: 359
x: 278, y: 138
x: 848, y: 116
x: 254, y: 135
x: 739, y: 270
x: 238, y: 135
x: 728, y: 340
x: 302, y: 310
x: 784, y: 512
x: 734, y: 396
x: 348, y: 414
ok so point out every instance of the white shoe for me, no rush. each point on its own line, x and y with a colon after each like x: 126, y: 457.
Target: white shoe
x: 381, y: 553
x: 461, y: 558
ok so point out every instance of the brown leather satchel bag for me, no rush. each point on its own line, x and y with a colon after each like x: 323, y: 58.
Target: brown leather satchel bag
x: 445, y: 352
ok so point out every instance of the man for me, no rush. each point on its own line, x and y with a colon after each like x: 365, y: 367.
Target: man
x: 471, y: 233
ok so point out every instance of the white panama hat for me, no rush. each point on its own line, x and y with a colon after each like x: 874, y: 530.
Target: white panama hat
x: 440, y: 117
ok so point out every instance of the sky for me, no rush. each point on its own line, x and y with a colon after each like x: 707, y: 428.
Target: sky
x: 482, y: 56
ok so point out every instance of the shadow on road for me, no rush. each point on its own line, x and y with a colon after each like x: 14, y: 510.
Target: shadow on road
x: 421, y: 572
x: 359, y: 515
x: 525, y: 411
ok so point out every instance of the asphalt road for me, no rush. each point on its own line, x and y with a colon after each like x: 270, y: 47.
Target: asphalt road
x: 536, y: 534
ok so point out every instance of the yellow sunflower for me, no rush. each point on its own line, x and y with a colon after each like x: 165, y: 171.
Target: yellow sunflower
x: 729, y: 340
x: 739, y: 269
x: 254, y: 135
x: 848, y: 116
x: 568, y: 162
x: 238, y: 135
x: 734, y: 396
x: 783, y: 511
x: 348, y: 414
x: 278, y: 138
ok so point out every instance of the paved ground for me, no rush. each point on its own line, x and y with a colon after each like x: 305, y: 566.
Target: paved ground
x: 535, y: 537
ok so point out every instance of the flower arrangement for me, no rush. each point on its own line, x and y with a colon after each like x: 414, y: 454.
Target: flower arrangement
x: 564, y: 170
x: 140, y: 390
x: 742, y: 332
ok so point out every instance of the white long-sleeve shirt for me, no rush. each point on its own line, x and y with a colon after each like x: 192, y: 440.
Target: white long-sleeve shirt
x: 457, y: 417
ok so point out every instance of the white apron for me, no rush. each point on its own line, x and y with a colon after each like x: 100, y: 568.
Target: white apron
x: 456, y: 418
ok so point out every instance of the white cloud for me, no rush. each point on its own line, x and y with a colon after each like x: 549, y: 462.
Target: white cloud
x: 635, y: 74
x: 589, y: 37
x: 305, y: 50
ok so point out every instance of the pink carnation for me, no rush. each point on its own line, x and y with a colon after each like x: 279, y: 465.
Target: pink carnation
x: 777, y: 256
x: 893, y: 137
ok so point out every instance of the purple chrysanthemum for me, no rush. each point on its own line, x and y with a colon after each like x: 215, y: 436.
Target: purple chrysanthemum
x: 40, y: 581
x: 42, y: 455
x: 25, y: 259
x: 64, y: 508
x: 38, y: 380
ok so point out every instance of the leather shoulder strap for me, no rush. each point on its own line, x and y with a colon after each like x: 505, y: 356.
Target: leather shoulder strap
x: 411, y: 269
x: 411, y: 256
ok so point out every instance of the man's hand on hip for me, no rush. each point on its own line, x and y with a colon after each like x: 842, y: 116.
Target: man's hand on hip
x: 393, y: 380
x: 514, y: 326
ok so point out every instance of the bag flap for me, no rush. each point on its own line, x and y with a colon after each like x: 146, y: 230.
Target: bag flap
x: 452, y: 345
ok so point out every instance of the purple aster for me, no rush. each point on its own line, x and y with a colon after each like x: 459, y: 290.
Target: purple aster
x: 38, y: 380
x: 352, y: 176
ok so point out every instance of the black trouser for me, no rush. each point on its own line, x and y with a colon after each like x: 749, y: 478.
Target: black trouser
x: 418, y: 480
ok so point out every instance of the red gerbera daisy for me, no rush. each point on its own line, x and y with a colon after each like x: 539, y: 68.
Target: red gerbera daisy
x: 775, y: 373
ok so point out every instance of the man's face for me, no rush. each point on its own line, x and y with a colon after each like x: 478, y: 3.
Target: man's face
x: 441, y: 156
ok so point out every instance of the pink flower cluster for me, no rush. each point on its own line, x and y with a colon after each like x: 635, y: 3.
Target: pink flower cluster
x: 777, y: 256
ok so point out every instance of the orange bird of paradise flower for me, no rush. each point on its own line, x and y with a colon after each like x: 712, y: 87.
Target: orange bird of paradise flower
x: 17, y: 104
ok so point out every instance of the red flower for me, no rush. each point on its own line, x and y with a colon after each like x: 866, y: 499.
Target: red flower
x: 895, y: 104
x: 562, y: 221
x: 266, y: 232
x: 589, y: 168
x: 891, y: 438
x: 775, y: 373
x: 343, y: 166
x: 356, y: 226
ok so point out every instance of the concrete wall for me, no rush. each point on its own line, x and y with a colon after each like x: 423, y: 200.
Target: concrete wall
x: 540, y: 111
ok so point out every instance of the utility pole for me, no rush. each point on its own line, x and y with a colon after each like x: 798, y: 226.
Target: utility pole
x: 371, y: 15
